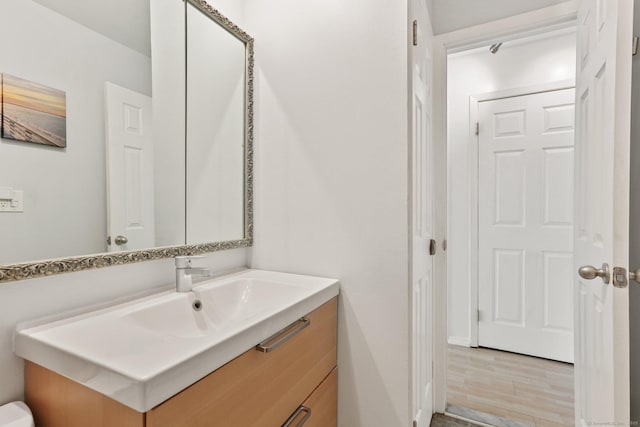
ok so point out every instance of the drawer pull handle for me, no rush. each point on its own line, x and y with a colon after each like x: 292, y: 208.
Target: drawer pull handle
x: 287, y: 333
x: 292, y: 418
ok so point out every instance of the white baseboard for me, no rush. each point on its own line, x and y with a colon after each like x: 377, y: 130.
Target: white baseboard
x: 461, y: 341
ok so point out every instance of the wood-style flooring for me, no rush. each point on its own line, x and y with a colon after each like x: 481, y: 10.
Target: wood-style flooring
x: 439, y: 420
x: 527, y: 389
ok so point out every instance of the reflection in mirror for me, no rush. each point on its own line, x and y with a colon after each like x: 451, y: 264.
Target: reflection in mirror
x: 124, y: 179
x: 215, y: 130
x: 101, y: 60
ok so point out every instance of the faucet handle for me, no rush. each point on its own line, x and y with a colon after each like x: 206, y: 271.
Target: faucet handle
x: 185, y: 261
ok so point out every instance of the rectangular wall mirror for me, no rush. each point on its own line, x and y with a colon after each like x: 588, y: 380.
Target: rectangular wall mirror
x: 216, y: 116
x: 125, y: 137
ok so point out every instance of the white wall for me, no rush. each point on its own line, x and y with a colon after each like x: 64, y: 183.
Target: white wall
x: 331, y: 188
x: 64, y: 189
x: 517, y: 64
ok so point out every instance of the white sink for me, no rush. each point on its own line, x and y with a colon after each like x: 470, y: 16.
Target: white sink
x: 145, y: 351
x: 211, y: 306
x: 172, y: 316
x: 242, y: 299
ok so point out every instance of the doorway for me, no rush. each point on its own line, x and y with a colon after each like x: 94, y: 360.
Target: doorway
x: 510, y: 316
x: 525, y: 222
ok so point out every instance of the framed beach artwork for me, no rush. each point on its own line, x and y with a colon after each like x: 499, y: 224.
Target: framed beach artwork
x: 32, y: 112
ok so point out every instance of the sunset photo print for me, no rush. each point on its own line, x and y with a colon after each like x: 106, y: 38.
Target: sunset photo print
x: 32, y: 112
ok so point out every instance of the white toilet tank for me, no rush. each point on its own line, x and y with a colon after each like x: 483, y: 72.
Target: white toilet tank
x: 15, y: 414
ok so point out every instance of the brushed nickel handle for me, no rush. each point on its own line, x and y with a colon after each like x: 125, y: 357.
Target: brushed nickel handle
x: 589, y: 272
x: 283, y: 335
x: 635, y: 275
x: 301, y: 409
x: 121, y: 240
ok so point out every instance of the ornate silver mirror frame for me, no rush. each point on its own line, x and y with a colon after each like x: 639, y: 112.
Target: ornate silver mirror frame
x: 50, y: 267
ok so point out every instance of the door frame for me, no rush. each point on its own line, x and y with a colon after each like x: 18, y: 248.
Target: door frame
x: 473, y: 183
x: 538, y: 21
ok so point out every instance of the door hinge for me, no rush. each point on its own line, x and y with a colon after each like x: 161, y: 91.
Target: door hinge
x: 432, y: 247
x: 635, y: 46
x: 415, y: 32
x: 478, y: 314
x: 477, y: 128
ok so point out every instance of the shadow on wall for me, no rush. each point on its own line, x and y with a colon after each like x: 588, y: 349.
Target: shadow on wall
x: 350, y: 336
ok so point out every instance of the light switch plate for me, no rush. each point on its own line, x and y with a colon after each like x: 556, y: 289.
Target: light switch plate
x: 15, y: 204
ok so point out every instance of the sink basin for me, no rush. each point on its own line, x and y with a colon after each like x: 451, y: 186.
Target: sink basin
x: 145, y: 351
x: 210, y: 307
x: 242, y: 299
x: 172, y: 316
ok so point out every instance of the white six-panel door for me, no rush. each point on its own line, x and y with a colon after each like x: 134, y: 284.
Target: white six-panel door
x: 603, y: 117
x: 129, y: 144
x: 421, y: 224
x: 525, y: 218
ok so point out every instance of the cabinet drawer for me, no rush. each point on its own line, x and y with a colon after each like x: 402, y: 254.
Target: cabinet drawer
x: 258, y: 388
x: 321, y: 408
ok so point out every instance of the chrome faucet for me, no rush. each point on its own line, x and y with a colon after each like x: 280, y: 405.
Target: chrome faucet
x: 185, y: 273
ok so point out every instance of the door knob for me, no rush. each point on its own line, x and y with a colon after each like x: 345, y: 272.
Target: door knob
x: 635, y: 275
x: 589, y: 272
x: 121, y: 240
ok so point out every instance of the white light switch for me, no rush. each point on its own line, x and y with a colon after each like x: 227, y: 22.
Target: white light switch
x: 6, y: 193
x: 11, y: 201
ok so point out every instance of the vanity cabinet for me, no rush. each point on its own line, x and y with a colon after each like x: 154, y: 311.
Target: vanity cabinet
x: 319, y: 410
x: 289, y: 377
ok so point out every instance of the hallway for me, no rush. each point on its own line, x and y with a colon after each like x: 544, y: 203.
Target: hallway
x: 534, y: 391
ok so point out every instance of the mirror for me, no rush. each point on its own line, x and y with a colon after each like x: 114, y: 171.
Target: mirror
x: 125, y: 137
x: 215, y: 129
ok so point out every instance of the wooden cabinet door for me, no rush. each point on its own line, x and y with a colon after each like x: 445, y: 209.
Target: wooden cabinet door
x: 57, y: 401
x: 258, y: 389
